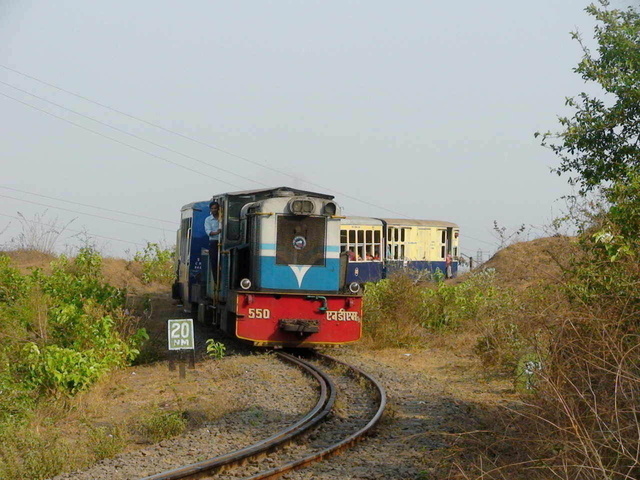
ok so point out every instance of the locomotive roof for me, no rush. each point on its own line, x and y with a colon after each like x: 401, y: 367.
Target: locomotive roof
x: 410, y: 223
x: 278, y: 192
x: 191, y: 205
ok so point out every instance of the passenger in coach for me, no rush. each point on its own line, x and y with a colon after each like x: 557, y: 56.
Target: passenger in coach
x: 213, y: 229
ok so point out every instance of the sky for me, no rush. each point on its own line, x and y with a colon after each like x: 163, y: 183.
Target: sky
x: 415, y: 109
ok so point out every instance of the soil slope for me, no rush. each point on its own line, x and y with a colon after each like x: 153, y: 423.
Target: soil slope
x: 526, y: 263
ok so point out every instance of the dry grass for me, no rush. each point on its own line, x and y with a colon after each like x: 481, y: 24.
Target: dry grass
x: 582, y: 420
x: 540, y: 261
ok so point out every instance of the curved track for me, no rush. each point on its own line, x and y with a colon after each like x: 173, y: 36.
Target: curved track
x: 323, y: 407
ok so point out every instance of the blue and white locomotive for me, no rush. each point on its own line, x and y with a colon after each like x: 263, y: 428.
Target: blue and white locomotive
x: 280, y: 278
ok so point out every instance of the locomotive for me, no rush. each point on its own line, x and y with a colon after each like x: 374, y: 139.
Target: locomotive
x: 279, y: 277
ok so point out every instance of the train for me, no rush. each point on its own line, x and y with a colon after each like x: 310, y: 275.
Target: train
x: 279, y: 279
x: 289, y: 268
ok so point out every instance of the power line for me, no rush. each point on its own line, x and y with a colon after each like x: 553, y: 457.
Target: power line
x: 118, y: 141
x: 87, y: 214
x: 70, y: 230
x: 478, y: 240
x: 226, y: 152
x: 87, y: 205
x: 146, y: 217
x: 132, y: 134
x: 160, y: 127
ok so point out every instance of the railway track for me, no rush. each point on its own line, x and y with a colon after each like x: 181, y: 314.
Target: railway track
x: 355, y: 414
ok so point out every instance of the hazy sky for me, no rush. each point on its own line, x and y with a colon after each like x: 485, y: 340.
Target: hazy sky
x: 427, y: 109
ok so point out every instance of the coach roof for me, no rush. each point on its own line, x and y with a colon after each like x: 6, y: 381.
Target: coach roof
x: 406, y: 222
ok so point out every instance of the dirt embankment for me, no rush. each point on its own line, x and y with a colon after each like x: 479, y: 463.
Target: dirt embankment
x: 524, y: 264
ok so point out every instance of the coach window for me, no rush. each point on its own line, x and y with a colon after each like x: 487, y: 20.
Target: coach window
x: 360, y: 247
x: 397, y: 236
x: 377, y: 241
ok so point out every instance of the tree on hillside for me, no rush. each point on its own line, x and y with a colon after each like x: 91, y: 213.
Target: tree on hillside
x: 600, y: 143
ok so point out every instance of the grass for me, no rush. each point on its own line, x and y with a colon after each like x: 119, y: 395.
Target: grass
x: 161, y: 424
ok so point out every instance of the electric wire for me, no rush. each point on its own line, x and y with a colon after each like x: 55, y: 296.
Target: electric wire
x: 87, y: 214
x: 119, y: 141
x: 70, y: 230
x: 87, y: 205
x: 226, y: 152
x: 132, y: 134
x: 160, y: 127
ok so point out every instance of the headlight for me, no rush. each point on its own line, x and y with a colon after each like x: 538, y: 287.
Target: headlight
x: 354, y: 287
x: 301, y: 207
x: 245, y: 284
x: 330, y: 208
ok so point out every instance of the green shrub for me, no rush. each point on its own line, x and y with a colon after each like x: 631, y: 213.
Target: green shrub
x: 400, y: 311
x: 391, y: 312
x: 157, y: 264
x: 63, y: 330
x: 12, y: 283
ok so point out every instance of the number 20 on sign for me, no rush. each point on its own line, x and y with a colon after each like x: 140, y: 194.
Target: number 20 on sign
x: 180, y: 334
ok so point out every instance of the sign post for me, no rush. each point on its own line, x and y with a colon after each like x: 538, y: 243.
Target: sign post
x: 181, y: 338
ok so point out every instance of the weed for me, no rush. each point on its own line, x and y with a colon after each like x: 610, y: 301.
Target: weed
x: 39, y: 234
x: 31, y: 453
x: 215, y: 349
x: 161, y: 425
x: 253, y: 416
x: 107, y: 442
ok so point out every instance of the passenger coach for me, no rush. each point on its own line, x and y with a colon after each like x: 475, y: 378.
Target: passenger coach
x: 280, y: 278
x: 378, y: 246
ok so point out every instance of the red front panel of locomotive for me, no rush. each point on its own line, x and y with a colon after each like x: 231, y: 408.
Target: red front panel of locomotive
x: 298, y: 320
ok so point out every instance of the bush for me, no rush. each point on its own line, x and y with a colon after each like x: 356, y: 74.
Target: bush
x: 157, y: 264
x: 391, y: 317
x: 66, y: 329
x: 400, y: 311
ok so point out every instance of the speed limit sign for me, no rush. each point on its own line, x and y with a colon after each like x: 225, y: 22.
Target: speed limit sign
x: 180, y: 334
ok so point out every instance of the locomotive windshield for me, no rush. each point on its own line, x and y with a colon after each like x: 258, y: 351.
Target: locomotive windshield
x: 301, y: 240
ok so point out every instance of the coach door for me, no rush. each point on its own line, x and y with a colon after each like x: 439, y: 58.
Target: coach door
x: 443, y: 243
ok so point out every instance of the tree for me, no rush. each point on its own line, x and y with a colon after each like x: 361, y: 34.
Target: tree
x: 600, y: 143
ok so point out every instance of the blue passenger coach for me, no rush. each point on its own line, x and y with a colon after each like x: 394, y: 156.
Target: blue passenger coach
x: 361, y: 239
